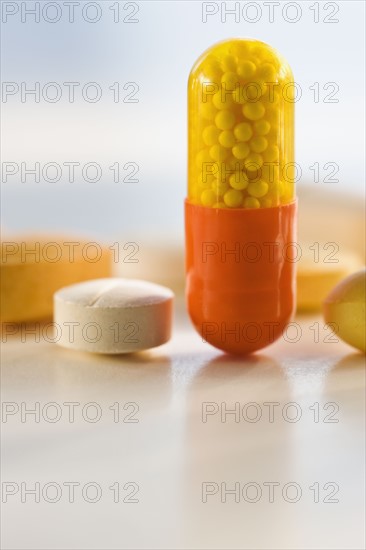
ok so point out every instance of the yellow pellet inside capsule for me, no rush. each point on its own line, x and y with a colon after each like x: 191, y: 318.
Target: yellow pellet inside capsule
x: 241, y: 127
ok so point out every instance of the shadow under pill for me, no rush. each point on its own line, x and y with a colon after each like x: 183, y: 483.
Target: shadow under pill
x: 231, y: 436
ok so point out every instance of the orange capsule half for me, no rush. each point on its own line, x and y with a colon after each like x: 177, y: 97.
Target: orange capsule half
x: 241, y: 207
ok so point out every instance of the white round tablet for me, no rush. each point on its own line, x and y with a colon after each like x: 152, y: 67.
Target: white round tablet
x: 113, y: 315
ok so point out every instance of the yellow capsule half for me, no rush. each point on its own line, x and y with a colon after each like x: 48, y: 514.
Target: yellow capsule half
x: 241, y: 95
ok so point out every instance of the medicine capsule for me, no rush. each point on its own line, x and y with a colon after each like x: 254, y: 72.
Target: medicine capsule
x: 241, y: 206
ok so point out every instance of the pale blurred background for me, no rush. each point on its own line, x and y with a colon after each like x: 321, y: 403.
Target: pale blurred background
x: 157, y: 53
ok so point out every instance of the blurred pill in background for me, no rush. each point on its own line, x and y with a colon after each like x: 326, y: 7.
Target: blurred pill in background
x: 331, y: 236
x: 319, y: 270
x: 32, y: 268
x: 331, y: 226
x: 345, y: 312
x: 159, y: 260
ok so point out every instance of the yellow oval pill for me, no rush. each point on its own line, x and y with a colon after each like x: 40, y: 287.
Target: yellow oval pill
x: 344, y: 310
x: 31, y: 270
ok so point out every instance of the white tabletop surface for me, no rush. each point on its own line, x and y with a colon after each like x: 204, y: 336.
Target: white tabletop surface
x: 175, y: 466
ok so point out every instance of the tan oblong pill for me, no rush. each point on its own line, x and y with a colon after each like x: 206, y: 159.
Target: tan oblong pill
x: 113, y: 315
